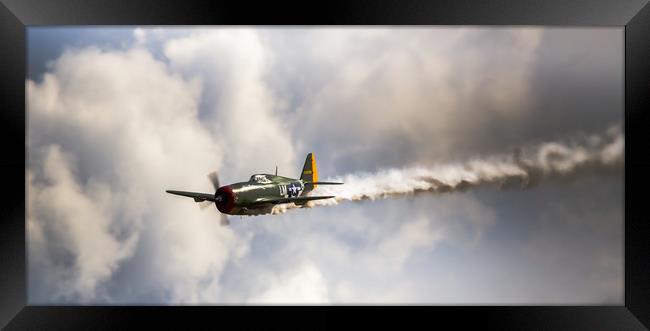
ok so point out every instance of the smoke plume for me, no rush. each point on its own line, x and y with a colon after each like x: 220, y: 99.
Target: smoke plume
x: 523, y: 169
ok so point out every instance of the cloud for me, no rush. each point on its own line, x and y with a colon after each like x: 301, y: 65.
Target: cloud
x: 364, y: 255
x: 130, y: 129
x: 367, y: 99
x: 70, y: 233
x: 412, y: 95
x: 237, y: 105
x: 140, y: 36
x: 589, y: 248
x: 410, y: 236
x: 305, y: 284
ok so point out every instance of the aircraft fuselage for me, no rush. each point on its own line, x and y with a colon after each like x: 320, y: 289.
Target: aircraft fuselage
x: 240, y: 198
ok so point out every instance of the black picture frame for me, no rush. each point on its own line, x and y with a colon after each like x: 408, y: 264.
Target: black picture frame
x: 16, y: 15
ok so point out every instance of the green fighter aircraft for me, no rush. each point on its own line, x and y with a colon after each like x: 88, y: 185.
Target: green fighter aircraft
x: 261, y: 192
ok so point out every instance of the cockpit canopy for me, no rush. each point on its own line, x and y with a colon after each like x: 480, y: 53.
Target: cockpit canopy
x: 260, y: 179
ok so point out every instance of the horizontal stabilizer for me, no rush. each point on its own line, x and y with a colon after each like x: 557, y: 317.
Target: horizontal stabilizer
x: 198, y: 197
x: 322, y: 183
x: 288, y: 200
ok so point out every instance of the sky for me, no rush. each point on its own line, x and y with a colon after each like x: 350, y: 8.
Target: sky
x: 428, y: 127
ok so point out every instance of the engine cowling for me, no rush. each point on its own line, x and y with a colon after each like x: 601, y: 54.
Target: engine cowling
x: 224, y: 199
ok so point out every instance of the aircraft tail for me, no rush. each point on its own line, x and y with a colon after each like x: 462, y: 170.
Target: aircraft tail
x: 309, y: 173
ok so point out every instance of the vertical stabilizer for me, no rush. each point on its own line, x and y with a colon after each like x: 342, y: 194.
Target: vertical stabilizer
x: 309, y: 172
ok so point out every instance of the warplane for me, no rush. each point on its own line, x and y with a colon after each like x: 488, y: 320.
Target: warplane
x: 261, y: 192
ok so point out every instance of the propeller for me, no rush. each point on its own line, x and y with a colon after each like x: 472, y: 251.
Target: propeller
x: 214, y: 179
x: 224, y: 220
x: 205, y: 204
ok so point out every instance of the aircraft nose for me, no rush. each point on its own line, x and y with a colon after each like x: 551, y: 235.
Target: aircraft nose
x: 224, y: 199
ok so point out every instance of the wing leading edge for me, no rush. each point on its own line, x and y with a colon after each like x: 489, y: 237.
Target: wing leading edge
x: 198, y: 197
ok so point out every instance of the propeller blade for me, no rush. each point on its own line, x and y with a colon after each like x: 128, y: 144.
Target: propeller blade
x: 214, y: 179
x: 224, y: 220
x: 205, y: 204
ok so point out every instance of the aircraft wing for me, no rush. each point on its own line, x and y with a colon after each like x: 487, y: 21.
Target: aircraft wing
x: 198, y: 197
x: 276, y: 201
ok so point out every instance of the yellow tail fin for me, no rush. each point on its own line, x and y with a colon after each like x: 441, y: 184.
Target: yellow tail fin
x: 310, y: 171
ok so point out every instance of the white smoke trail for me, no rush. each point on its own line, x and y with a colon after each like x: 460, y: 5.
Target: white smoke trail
x: 526, y: 168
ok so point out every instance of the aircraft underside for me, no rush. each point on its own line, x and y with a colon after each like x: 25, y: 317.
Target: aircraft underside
x: 252, y: 211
